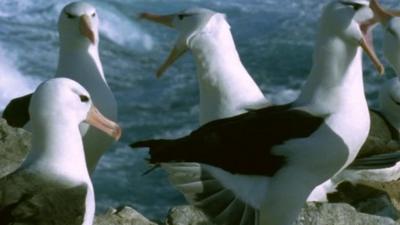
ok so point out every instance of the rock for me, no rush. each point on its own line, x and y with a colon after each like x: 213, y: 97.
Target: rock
x: 312, y: 214
x: 123, y: 216
x: 186, y: 215
x: 14, y: 147
x: 338, y: 214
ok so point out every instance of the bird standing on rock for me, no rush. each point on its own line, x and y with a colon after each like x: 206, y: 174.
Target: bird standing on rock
x: 259, y: 167
x: 53, y: 186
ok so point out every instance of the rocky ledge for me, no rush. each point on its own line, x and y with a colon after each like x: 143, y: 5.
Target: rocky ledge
x: 14, y: 145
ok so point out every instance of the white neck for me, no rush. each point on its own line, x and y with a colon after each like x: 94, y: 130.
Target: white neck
x: 83, y: 65
x: 71, y: 59
x: 226, y: 88
x: 336, y: 77
x: 57, y: 151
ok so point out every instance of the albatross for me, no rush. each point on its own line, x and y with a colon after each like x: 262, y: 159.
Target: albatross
x: 379, y: 159
x: 79, y: 60
x: 260, y: 166
x: 226, y: 88
x: 53, y: 186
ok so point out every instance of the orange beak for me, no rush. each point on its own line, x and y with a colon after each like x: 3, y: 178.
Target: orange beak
x: 96, y: 119
x: 85, y: 27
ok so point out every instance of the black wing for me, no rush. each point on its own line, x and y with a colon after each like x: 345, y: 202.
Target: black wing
x: 16, y: 112
x: 240, y: 144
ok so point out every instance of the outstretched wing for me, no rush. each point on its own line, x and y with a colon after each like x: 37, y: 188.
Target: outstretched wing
x: 205, y: 192
x: 16, y: 112
x: 241, y: 144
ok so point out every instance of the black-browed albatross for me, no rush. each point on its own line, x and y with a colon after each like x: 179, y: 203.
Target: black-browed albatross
x: 226, y: 88
x: 378, y: 161
x: 259, y: 167
x: 53, y: 186
x: 78, y: 60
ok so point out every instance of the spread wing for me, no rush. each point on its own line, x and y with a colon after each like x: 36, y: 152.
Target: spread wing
x: 16, y: 112
x: 26, y: 199
x: 241, y: 144
x: 207, y: 193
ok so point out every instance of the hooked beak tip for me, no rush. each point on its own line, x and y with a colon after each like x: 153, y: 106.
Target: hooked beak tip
x: 117, y: 133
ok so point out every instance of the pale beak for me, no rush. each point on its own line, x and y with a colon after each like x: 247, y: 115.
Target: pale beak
x: 178, y: 50
x: 380, y: 15
x: 164, y: 20
x: 367, y: 47
x: 85, y: 27
x: 96, y: 119
x: 173, y: 56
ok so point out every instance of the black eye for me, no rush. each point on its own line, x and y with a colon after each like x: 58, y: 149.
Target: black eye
x: 70, y: 16
x: 93, y: 14
x: 355, y: 6
x: 84, y: 98
x: 183, y: 15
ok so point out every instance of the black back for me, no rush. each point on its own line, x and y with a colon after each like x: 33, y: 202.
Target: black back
x: 240, y: 144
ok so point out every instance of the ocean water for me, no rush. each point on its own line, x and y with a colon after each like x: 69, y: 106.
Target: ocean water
x: 274, y: 38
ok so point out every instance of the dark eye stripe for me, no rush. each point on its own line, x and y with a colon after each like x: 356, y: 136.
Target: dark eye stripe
x: 84, y: 98
x: 70, y: 16
x: 183, y: 15
x: 355, y: 6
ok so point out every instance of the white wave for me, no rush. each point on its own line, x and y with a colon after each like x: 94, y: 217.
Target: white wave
x: 122, y: 29
x: 12, y: 83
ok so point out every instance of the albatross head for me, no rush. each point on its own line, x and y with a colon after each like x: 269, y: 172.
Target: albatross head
x: 189, y: 23
x: 78, y: 23
x: 350, y: 20
x: 62, y: 101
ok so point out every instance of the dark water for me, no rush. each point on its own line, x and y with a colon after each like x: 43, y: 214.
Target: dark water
x: 274, y: 39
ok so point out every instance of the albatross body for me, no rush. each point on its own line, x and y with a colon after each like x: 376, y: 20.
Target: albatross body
x: 78, y: 60
x: 259, y: 167
x: 53, y: 186
x: 226, y: 88
x: 379, y: 158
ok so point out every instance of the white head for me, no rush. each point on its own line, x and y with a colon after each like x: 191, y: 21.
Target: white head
x: 78, y: 25
x: 349, y: 20
x: 189, y: 23
x: 62, y: 101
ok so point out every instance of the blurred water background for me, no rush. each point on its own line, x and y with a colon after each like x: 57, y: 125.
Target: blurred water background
x: 274, y: 38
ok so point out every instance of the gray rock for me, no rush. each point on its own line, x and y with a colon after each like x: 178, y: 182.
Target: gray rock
x: 124, y: 216
x: 312, y: 214
x: 14, y: 147
x: 338, y: 214
x: 186, y: 215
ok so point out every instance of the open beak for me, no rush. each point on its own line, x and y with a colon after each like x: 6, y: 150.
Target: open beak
x: 178, y: 50
x: 85, y: 27
x: 368, y: 47
x: 366, y: 42
x: 96, y: 119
